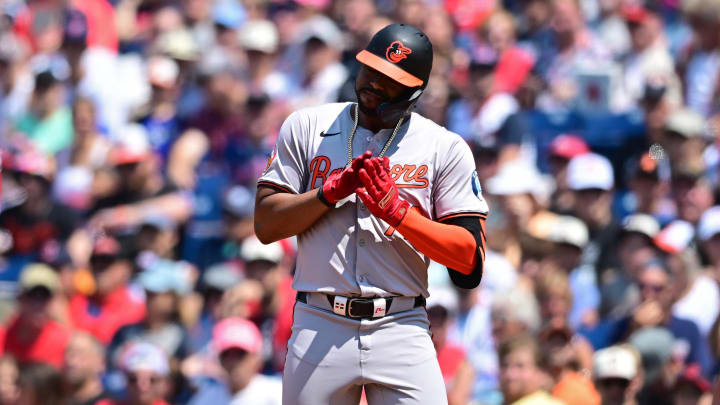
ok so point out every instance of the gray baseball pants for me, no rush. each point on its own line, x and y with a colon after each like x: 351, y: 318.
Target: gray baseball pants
x: 330, y: 358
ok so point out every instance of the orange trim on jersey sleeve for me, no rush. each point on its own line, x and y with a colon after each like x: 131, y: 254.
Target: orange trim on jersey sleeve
x: 449, y: 245
x: 463, y: 214
x: 275, y: 186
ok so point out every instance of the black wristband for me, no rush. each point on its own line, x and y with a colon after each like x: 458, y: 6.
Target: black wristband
x: 322, y: 198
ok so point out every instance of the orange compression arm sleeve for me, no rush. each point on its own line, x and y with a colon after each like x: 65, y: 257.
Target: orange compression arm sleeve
x: 450, y: 245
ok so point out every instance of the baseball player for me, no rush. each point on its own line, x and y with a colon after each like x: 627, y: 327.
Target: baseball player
x: 367, y: 229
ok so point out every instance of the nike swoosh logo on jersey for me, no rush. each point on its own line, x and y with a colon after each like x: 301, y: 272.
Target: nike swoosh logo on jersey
x: 324, y: 134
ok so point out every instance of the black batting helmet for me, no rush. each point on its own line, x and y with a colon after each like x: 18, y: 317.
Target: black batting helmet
x: 403, y: 53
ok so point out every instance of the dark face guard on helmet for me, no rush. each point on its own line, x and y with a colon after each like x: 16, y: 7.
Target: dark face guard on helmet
x: 403, y: 53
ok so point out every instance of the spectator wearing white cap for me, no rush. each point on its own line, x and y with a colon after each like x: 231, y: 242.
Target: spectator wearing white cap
x: 570, y: 237
x: 321, y: 74
x: 618, y: 375
x: 521, y: 194
x: 261, y: 42
x: 160, y: 116
x: 634, y: 248
x: 590, y: 177
x: 685, y: 135
x: 146, y: 370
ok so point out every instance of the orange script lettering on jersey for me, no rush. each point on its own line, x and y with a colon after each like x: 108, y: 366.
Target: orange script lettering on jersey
x: 412, y: 176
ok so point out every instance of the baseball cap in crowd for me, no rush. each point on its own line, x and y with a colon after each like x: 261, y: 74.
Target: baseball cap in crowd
x: 221, y: 276
x: 445, y: 297
x: 259, y: 35
x: 34, y: 163
x: 655, y: 346
x: 643, y: 224
x: 323, y: 29
x: 160, y: 223
x: 132, y: 147
x: 644, y: 166
x: 72, y: 187
x: 163, y: 72
x: 236, y: 333
x: 616, y: 362
x: 252, y: 249
x: 162, y: 276
x: 568, y: 146
x: 692, y: 375
x: 106, y: 246
x: 517, y: 177
x: 75, y: 28
x: 178, y: 44
x: 229, y: 13
x: 709, y: 224
x: 36, y: 275
x: 686, y: 123
x: 675, y: 237
x: 319, y: 4
x: 484, y: 59
x: 144, y: 356
x: 590, y: 171
x: 239, y: 201
x: 635, y: 13
x: 570, y: 230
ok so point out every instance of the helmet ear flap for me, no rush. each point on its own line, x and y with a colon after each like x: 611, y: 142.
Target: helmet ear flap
x: 391, y: 112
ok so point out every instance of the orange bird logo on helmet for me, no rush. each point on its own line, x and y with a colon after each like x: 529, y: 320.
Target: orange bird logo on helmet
x: 397, y: 52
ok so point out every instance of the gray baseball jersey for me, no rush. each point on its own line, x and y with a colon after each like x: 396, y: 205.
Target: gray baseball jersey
x: 348, y: 251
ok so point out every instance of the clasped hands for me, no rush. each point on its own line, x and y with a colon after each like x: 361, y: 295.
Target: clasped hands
x: 369, y: 178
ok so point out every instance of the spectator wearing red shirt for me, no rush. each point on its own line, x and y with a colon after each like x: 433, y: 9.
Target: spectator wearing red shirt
x: 33, y: 336
x: 454, y: 365
x: 113, y: 304
x: 146, y: 371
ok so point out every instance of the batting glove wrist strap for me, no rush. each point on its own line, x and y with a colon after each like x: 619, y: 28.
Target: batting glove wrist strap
x: 322, y: 198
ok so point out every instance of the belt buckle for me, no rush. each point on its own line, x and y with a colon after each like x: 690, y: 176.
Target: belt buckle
x: 350, y: 307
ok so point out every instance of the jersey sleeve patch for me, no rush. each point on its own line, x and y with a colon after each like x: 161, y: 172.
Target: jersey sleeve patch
x: 475, y: 184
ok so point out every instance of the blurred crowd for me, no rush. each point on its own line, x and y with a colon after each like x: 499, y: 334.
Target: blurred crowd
x: 132, y: 134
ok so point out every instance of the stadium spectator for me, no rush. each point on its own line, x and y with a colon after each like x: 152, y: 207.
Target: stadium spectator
x: 112, y: 303
x: 32, y: 335
x: 83, y: 369
x: 618, y: 375
x: 146, y: 371
x: 40, y: 384
x: 521, y: 375
x: 454, y: 365
x: 164, y: 282
x: 239, y: 345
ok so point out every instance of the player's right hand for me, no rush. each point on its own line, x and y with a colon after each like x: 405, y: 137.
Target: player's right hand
x: 341, y: 185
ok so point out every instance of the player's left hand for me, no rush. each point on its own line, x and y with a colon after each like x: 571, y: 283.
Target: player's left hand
x: 379, y: 192
x: 341, y: 185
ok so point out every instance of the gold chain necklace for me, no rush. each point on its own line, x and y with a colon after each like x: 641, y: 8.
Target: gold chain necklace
x: 352, y: 135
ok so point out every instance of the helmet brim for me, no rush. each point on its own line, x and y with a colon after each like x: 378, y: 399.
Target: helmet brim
x: 388, y: 69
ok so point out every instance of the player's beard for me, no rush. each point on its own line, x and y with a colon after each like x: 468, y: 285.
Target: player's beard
x: 370, y: 112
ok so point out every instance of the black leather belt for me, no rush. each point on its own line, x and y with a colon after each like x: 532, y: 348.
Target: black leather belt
x: 360, y: 307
